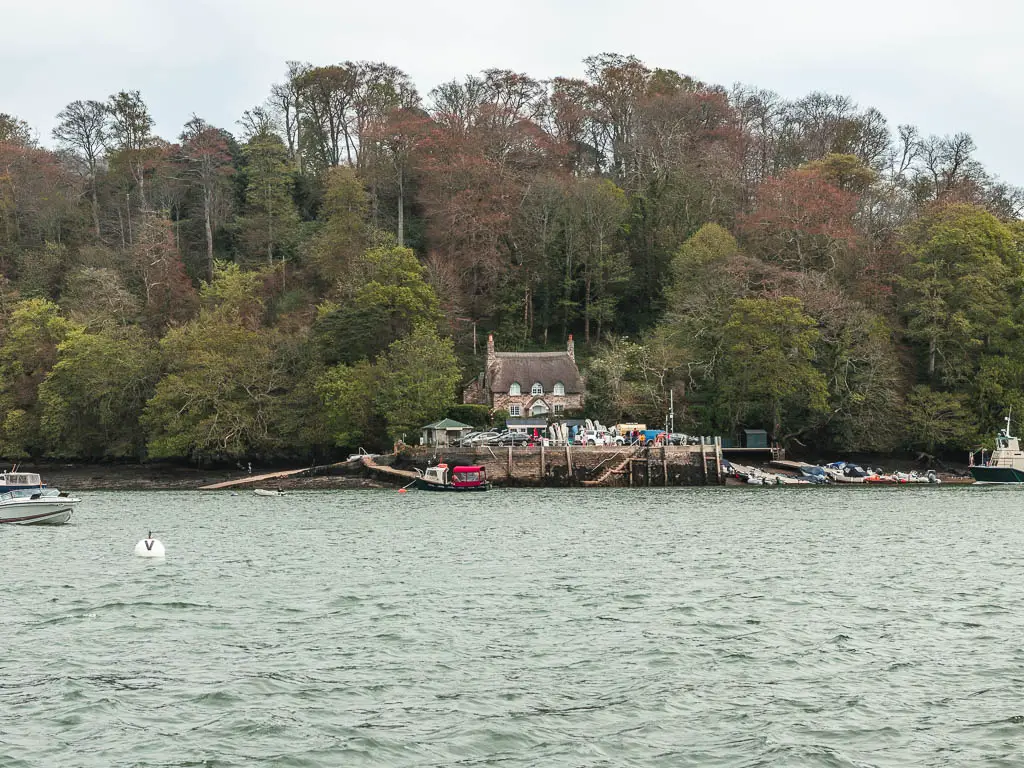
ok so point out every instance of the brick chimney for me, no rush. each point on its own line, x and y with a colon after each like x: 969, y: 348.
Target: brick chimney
x: 490, y: 349
x: 570, y: 347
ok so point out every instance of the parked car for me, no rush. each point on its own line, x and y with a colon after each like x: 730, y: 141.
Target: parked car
x: 506, y: 438
x: 515, y: 438
x: 466, y: 439
x: 480, y: 438
x: 593, y: 437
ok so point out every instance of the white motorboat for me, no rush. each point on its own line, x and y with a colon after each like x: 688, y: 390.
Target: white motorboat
x: 13, y: 480
x: 263, y: 492
x: 36, y: 507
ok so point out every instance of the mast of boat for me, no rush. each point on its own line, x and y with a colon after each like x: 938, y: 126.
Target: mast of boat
x: 1008, y: 416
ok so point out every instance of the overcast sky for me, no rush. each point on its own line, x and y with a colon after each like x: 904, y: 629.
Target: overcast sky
x: 944, y: 66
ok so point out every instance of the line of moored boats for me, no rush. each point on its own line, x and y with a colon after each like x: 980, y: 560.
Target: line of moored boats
x: 838, y: 473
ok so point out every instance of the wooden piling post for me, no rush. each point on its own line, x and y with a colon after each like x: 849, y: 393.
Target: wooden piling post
x: 568, y: 458
x: 509, y: 471
x: 718, y: 458
x: 631, y: 473
x: 703, y: 460
x: 664, y: 465
x: 542, y: 461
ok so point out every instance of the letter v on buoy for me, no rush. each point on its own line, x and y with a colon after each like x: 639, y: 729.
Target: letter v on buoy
x: 150, y: 547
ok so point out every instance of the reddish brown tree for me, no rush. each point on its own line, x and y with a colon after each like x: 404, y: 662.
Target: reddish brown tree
x: 801, y: 221
x: 37, y: 196
x: 157, y: 265
x: 389, y: 147
x: 473, y: 169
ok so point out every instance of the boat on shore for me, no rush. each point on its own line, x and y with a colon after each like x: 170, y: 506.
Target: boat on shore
x: 34, y: 506
x: 1005, y: 465
x: 468, y: 478
x: 265, y: 492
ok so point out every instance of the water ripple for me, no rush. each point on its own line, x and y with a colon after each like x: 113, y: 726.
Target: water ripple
x: 661, y: 627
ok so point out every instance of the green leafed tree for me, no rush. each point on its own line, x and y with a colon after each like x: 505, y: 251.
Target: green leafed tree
x: 387, y: 298
x: 706, y: 277
x: 92, y: 398
x: 222, y: 386
x: 768, y: 375
x: 270, y: 222
x: 343, y: 235
x: 347, y: 393
x: 997, y: 390
x: 418, y: 381
x: 709, y: 244
x: 935, y: 420
x: 28, y: 352
x: 955, y: 291
x: 128, y: 137
x: 857, y: 356
x: 237, y: 293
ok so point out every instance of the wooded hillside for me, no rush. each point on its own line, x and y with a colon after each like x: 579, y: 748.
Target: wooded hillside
x: 317, y: 277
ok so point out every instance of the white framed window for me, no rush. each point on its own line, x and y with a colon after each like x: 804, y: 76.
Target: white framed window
x: 537, y: 389
x: 514, y: 390
x: 559, y: 388
x: 515, y: 410
x: 539, y: 408
x: 559, y: 407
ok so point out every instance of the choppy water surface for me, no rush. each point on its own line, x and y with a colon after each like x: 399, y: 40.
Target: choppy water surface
x: 677, y: 627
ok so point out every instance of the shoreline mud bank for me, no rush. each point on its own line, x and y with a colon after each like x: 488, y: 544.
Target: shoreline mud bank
x: 525, y: 470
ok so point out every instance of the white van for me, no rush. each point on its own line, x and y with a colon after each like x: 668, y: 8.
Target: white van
x: 593, y: 437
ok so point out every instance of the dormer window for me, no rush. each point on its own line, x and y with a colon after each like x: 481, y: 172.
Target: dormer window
x: 514, y: 390
x: 538, y: 389
x: 559, y: 388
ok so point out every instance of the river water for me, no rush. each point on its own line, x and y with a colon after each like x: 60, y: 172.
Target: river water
x: 657, y: 627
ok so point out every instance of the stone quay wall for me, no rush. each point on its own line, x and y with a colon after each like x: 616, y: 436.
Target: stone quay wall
x: 554, y: 466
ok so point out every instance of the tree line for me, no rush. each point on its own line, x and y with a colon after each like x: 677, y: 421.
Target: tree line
x: 316, y: 277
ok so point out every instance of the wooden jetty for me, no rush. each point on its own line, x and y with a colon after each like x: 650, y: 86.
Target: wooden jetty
x: 388, y: 473
x: 251, y: 479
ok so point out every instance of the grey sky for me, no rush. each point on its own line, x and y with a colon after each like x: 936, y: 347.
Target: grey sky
x: 944, y: 66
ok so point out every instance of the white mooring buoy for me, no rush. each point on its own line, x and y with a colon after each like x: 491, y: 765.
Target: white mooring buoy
x: 149, y: 547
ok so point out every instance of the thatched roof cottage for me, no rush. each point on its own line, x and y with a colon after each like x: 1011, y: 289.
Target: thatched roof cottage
x: 528, y: 383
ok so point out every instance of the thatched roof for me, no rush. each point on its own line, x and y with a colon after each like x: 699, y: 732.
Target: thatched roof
x: 529, y: 367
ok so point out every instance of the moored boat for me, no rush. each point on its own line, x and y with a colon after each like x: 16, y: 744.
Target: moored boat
x: 1005, y: 465
x: 462, y: 479
x: 13, y: 480
x: 35, y: 506
x: 264, y: 492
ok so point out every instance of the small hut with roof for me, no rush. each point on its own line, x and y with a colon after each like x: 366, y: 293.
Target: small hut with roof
x: 528, y: 383
x: 444, y: 432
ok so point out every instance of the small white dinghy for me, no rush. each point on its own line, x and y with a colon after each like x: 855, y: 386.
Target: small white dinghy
x: 263, y: 492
